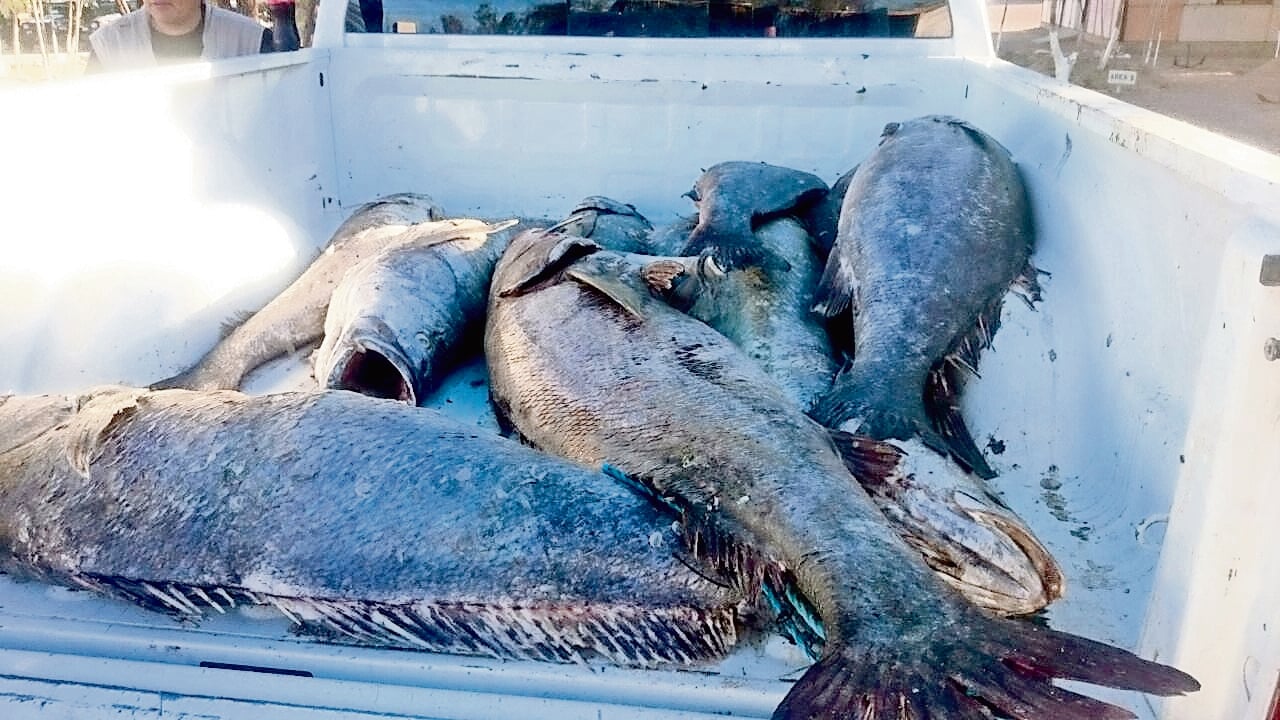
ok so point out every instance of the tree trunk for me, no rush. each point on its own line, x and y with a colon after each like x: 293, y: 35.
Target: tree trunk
x: 1062, y: 63
x: 75, y: 10
x: 37, y: 9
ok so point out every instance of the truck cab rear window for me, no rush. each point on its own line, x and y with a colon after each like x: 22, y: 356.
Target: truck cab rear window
x: 666, y: 18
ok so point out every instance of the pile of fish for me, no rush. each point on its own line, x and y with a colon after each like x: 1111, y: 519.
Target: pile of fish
x: 744, y: 422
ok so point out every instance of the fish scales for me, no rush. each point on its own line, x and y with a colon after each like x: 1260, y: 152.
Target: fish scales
x: 345, y: 512
x: 678, y: 407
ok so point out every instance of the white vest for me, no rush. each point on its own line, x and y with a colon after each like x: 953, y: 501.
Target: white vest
x: 126, y: 43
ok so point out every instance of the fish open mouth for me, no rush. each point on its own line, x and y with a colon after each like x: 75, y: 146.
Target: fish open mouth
x: 370, y: 370
x: 971, y: 540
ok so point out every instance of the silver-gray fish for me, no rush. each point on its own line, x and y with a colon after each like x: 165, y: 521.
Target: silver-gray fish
x: 295, y: 318
x: 587, y: 364
x: 734, y: 197
x: 766, y: 310
x: 610, y: 223
x: 399, y: 321
x: 934, y: 229
x: 363, y: 520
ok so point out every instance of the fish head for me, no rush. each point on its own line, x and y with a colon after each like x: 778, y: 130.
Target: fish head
x: 972, y: 540
x: 367, y: 359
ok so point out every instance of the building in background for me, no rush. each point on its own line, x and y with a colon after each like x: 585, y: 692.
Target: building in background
x: 1170, y: 20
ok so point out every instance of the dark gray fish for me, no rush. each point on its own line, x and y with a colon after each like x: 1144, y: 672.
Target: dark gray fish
x: 397, y: 322
x: 360, y: 519
x: 935, y: 227
x: 295, y: 318
x: 612, y: 224
x: 587, y: 364
x: 734, y: 197
x: 765, y: 311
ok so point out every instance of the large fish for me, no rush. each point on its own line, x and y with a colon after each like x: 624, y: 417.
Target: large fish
x: 587, y: 364
x: 765, y: 310
x: 295, y: 318
x: 358, y: 518
x: 398, y: 321
x: 934, y: 229
x: 735, y: 197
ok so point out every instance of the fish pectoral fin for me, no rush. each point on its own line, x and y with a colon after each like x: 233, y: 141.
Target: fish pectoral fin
x: 611, y: 286
x: 663, y: 276
x: 564, y: 253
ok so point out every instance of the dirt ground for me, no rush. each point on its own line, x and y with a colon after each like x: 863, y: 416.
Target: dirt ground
x: 1231, y: 88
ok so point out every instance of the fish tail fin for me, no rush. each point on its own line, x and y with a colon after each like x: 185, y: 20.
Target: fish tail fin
x: 848, y: 401
x: 848, y: 684
x: 943, y: 408
x: 942, y: 389
x: 1001, y: 668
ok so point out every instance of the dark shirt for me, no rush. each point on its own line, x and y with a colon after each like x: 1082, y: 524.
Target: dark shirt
x: 169, y: 49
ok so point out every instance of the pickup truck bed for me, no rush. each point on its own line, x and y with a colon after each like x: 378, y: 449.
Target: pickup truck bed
x: 1132, y: 417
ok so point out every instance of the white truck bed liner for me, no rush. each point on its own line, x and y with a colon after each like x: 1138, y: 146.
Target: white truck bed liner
x: 1137, y: 413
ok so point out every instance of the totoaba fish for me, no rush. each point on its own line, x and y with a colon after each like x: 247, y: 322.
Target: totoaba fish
x: 934, y: 228
x: 585, y: 363
x: 295, y: 318
x: 362, y: 520
x: 765, y: 310
x: 397, y: 322
x: 734, y: 197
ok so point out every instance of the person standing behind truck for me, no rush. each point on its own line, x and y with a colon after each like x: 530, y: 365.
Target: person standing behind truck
x: 168, y: 31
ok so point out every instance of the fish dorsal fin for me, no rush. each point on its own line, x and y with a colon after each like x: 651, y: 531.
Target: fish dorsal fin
x: 604, y: 278
x: 560, y: 256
